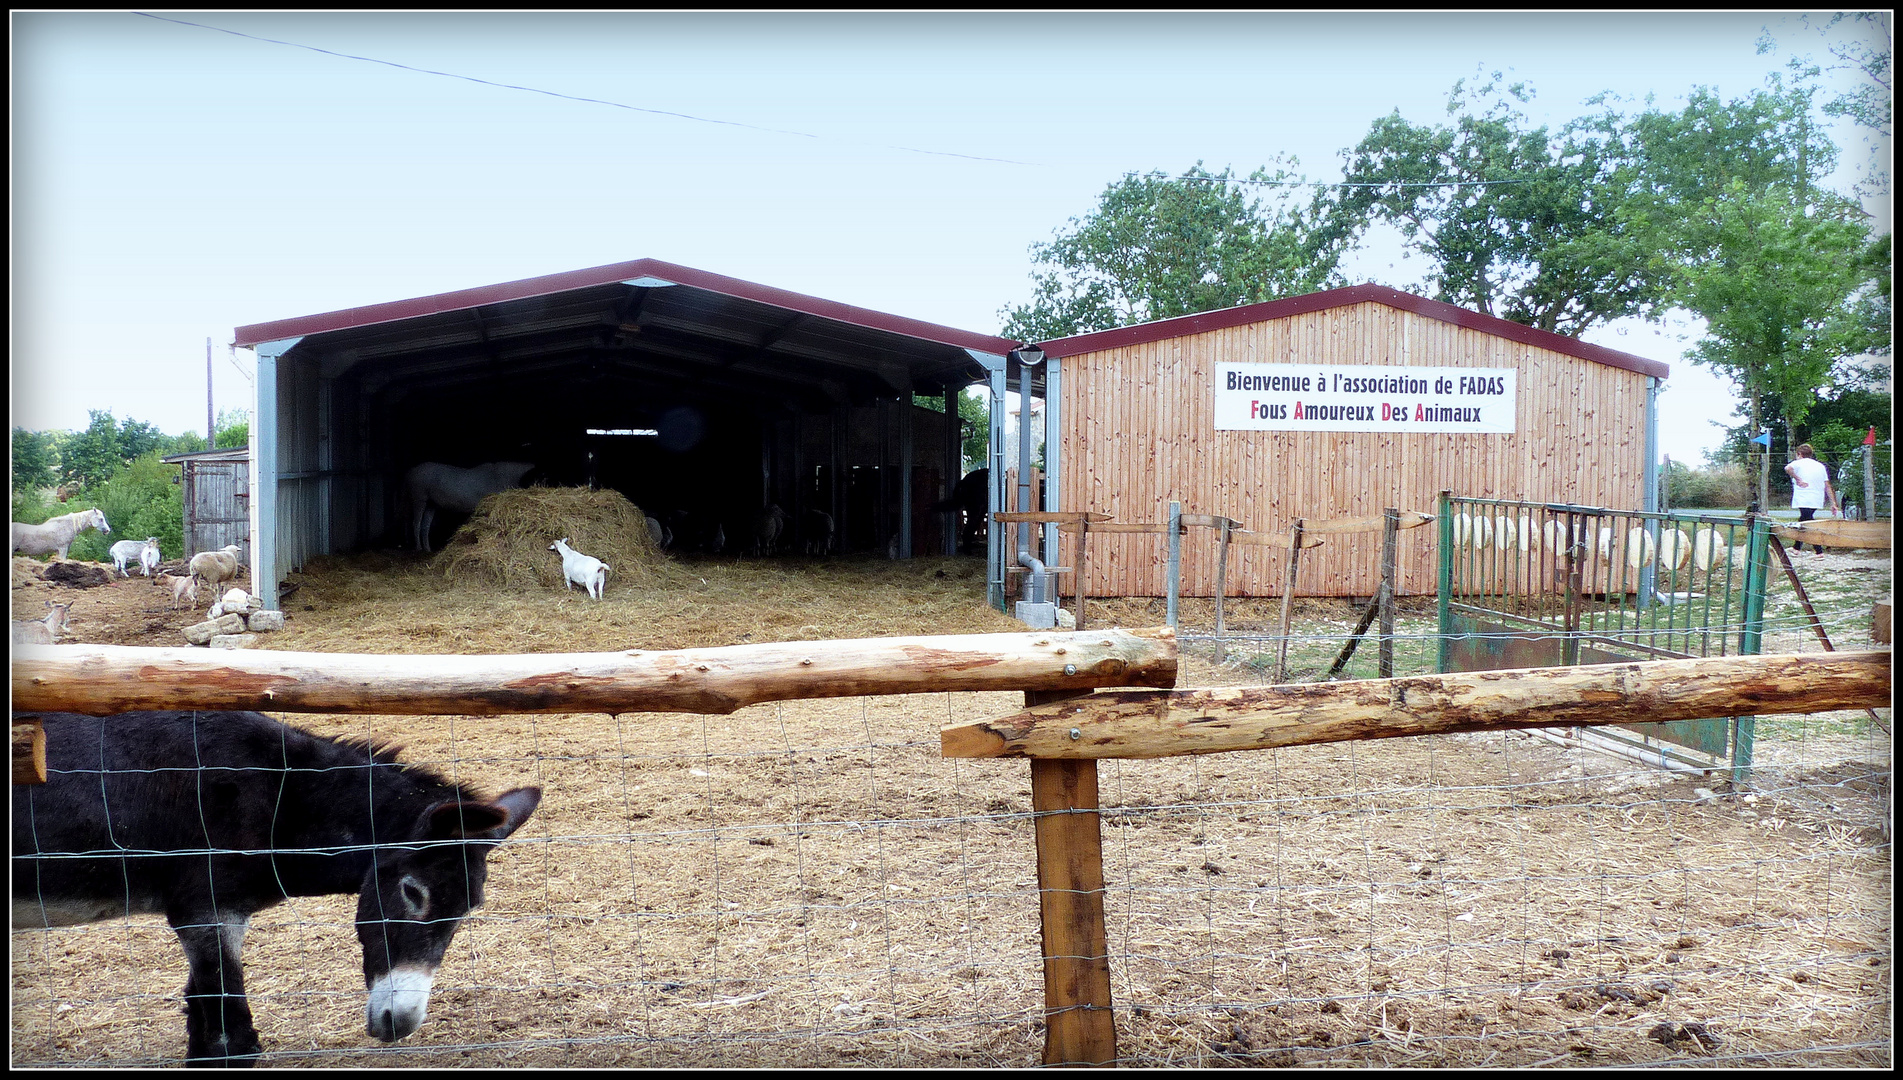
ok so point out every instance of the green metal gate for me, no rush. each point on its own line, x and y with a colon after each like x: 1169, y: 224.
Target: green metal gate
x: 1548, y: 584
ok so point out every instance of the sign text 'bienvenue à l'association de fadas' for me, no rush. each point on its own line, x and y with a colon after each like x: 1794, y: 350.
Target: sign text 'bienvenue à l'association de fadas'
x: 1333, y: 397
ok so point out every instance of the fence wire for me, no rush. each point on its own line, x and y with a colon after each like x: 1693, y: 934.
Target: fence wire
x: 813, y: 885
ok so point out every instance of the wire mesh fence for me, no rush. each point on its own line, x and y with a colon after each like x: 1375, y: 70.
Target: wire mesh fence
x: 813, y: 884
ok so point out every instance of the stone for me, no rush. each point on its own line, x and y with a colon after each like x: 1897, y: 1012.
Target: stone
x: 234, y: 641
x: 265, y: 621
x: 202, y: 633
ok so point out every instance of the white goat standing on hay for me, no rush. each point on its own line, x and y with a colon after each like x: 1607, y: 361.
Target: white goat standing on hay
x: 578, y: 569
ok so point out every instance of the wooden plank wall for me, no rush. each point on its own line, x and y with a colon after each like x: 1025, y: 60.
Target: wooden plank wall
x: 1138, y: 431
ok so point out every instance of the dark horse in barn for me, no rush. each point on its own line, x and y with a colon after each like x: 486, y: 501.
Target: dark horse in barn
x: 971, y: 498
x: 209, y: 817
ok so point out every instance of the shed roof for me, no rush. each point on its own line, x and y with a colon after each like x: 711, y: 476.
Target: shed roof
x: 1243, y: 315
x: 648, y: 319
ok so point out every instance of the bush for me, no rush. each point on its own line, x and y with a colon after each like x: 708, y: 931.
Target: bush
x: 1720, y: 487
x: 142, y: 499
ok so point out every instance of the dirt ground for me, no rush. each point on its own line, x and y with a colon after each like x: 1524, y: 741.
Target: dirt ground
x: 811, y: 884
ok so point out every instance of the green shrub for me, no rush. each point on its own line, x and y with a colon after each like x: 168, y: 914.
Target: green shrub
x: 1719, y: 487
x: 140, y: 500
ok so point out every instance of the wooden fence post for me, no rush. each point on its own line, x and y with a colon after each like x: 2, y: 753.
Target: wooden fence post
x: 1079, y: 1028
x: 1222, y: 578
x: 1390, y: 531
x: 1288, y: 597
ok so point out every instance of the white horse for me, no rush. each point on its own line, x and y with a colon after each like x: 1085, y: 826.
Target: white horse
x: 433, y: 486
x: 55, y: 535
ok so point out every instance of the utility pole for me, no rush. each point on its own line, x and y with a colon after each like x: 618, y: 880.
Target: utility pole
x: 208, y: 431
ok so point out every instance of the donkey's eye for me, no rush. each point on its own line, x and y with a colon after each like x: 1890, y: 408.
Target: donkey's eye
x: 415, y: 896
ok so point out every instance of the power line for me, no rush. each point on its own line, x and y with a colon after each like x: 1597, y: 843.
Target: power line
x: 800, y: 134
x: 554, y: 93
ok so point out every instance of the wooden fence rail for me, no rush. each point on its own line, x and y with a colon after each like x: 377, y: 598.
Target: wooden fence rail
x: 103, y: 679
x: 1064, y: 727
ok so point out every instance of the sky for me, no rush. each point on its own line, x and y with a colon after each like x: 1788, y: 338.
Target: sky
x: 171, y: 182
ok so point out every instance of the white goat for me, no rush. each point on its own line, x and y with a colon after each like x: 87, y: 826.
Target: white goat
x: 216, y: 567
x: 184, y: 589
x: 578, y: 569
x: 42, y: 631
x: 144, y: 552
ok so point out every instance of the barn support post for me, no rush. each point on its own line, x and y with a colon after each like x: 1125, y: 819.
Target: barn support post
x: 905, y: 475
x: 1649, y: 500
x: 1053, y: 462
x: 1079, y: 1027
x: 265, y: 573
x: 952, y: 472
x: 994, y: 460
x: 838, y: 453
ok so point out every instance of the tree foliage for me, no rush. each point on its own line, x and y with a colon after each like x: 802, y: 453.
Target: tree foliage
x: 35, y: 462
x: 1513, y: 220
x: 1159, y: 246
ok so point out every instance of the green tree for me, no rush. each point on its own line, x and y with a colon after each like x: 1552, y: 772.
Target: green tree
x: 1515, y: 221
x: 1159, y: 246
x: 92, y: 455
x: 35, y: 463
x: 232, y: 430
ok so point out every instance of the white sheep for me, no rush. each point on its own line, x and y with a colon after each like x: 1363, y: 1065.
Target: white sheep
x: 578, y: 569
x: 42, y: 631
x: 144, y: 552
x: 216, y: 567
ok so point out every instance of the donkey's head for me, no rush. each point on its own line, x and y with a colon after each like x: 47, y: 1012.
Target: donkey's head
x: 414, y: 898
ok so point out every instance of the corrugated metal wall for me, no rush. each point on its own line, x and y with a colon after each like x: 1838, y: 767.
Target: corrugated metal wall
x: 1138, y: 431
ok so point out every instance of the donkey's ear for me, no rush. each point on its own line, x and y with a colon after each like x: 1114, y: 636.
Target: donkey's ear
x: 482, y: 820
x: 519, y: 803
x: 461, y: 820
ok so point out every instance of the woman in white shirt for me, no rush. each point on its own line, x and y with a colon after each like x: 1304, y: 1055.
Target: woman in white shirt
x: 1810, y: 487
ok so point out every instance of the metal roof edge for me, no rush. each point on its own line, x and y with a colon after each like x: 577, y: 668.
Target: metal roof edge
x: 1224, y: 318
x: 638, y: 270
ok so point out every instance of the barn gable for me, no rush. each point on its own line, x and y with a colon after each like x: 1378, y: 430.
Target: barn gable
x: 1138, y: 429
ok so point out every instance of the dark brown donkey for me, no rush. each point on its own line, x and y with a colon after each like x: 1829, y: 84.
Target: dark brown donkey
x: 209, y: 817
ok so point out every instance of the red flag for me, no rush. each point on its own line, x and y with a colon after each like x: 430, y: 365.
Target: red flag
x: 1871, y: 439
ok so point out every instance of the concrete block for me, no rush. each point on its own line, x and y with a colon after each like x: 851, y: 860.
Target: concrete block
x: 265, y: 621
x: 1037, y: 616
x: 234, y: 641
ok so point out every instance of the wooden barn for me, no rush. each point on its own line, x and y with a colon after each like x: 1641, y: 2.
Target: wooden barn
x: 1331, y: 405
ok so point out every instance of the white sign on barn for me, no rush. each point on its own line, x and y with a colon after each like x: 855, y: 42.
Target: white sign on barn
x: 1361, y: 397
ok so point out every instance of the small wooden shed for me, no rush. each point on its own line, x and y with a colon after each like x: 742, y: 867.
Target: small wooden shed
x: 1331, y: 405
x: 217, y: 495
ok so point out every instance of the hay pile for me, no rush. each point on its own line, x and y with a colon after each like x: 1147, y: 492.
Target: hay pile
x: 506, y: 541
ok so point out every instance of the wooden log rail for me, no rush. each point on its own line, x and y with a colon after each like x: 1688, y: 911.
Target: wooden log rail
x: 1147, y: 724
x: 103, y: 679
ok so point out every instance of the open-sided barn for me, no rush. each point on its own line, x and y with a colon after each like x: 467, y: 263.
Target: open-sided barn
x: 689, y: 392
x: 1330, y: 405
